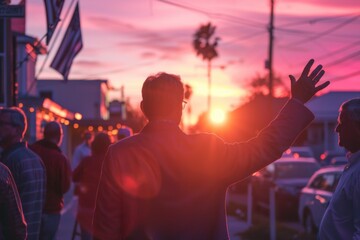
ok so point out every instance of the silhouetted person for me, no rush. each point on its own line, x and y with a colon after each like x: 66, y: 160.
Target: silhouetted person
x: 342, y: 217
x: 25, y: 166
x: 87, y: 175
x: 82, y: 150
x: 165, y: 184
x: 58, y: 174
x: 12, y: 220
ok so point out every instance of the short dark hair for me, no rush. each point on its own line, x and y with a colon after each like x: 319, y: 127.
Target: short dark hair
x: 101, y: 143
x: 52, y: 130
x: 17, y: 118
x: 162, y: 94
x: 87, y: 135
x: 352, y: 109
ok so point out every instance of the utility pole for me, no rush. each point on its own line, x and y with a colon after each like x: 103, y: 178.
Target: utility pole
x: 209, y: 85
x: 270, y: 57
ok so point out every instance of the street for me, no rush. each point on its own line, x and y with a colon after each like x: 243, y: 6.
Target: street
x: 236, y: 224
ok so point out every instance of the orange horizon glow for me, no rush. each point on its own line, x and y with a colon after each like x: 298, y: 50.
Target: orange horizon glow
x: 218, y: 116
x: 125, y: 41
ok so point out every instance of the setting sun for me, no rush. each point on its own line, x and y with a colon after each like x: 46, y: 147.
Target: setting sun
x: 217, y: 116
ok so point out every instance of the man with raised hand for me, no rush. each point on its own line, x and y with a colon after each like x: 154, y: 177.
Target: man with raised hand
x: 165, y: 184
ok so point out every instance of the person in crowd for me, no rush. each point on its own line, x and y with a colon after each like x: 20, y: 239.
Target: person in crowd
x: 87, y: 175
x: 58, y: 174
x: 165, y: 184
x: 12, y: 220
x: 26, y: 167
x: 342, y: 216
x: 82, y: 150
x: 124, y: 132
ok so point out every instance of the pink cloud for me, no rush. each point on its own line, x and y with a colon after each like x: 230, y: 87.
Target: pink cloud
x: 148, y: 55
x: 89, y: 64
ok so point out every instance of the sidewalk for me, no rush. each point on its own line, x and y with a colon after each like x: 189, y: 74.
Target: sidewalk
x: 68, y: 215
x: 235, y: 224
x: 235, y: 227
x: 238, y: 224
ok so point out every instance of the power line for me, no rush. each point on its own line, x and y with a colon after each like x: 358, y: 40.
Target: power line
x: 324, y: 33
x: 246, y: 37
x: 313, y: 21
x: 344, y: 59
x: 217, y: 15
x: 340, y: 50
x: 303, y: 32
x: 344, y: 77
x: 293, y: 31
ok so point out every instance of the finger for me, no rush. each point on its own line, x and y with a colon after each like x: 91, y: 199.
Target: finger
x: 307, y: 68
x: 322, y: 86
x: 292, y: 80
x: 319, y: 76
x: 315, y: 72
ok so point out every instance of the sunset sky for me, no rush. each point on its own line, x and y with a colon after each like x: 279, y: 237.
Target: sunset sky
x: 125, y: 41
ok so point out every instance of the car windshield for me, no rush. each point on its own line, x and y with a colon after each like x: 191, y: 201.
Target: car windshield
x: 285, y: 170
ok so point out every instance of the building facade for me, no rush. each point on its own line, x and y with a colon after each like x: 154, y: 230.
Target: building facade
x: 87, y: 97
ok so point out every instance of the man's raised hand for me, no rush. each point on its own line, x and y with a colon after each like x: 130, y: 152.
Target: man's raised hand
x: 305, y: 87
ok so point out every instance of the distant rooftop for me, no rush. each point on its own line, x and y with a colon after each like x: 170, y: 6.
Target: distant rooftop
x: 74, y: 80
x: 327, y: 106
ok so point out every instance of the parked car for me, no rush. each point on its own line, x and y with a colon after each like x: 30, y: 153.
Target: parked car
x: 338, y: 161
x: 325, y: 157
x: 301, y: 151
x: 315, y: 196
x: 287, y: 176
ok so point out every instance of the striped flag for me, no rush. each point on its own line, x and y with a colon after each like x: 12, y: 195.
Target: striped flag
x: 69, y: 47
x: 53, y: 9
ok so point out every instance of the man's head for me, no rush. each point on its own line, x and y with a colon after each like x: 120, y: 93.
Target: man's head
x: 163, y: 96
x: 13, y: 125
x: 88, y: 137
x: 100, y: 144
x: 348, y: 127
x: 53, y: 132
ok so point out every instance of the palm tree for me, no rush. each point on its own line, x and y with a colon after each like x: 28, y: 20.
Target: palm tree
x: 206, y: 49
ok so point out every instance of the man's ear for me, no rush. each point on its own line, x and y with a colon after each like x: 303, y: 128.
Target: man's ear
x: 19, y: 133
x: 142, y: 106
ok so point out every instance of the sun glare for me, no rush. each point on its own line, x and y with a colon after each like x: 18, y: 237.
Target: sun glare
x: 218, y: 116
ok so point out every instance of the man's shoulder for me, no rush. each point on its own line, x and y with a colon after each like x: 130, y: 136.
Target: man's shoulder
x: 41, y: 150
x: 134, y: 141
x: 56, y: 155
x: 145, y: 140
x: 24, y: 158
x: 4, y: 174
x: 82, y: 149
x: 81, y: 146
x: 24, y: 152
